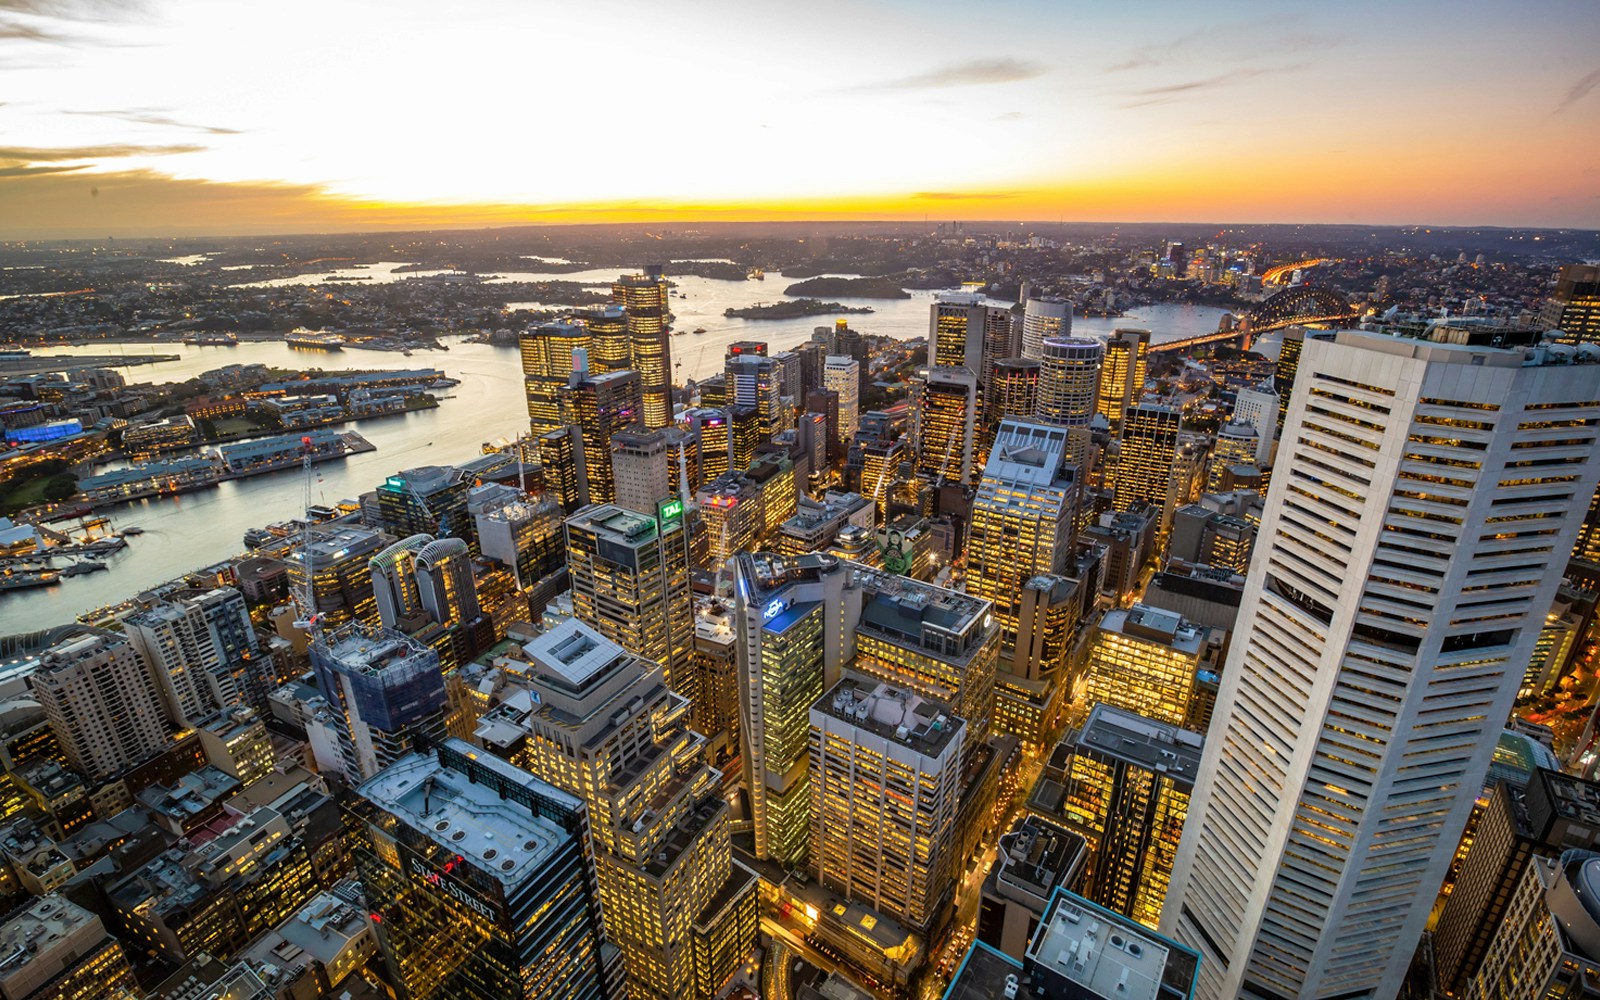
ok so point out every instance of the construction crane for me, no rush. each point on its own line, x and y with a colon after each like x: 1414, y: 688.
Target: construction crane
x: 310, y: 620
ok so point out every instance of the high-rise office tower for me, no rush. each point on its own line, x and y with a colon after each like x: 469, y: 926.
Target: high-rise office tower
x: 1015, y: 392
x: 601, y: 724
x: 946, y: 414
x: 852, y: 344
x: 445, y: 582
x: 1147, y: 458
x: 1021, y: 518
x: 630, y: 581
x: 103, y: 703
x: 1144, y: 660
x: 559, y: 463
x: 337, y: 561
x: 744, y: 436
x: 1236, y: 445
x: 885, y: 775
x: 394, y: 583
x: 956, y: 331
x: 1574, y: 308
x: 1412, y: 542
x: 1069, y: 383
x: 480, y: 881
x: 1045, y: 318
x: 1548, y: 944
x: 1283, y: 374
x: 758, y: 381
x: 428, y: 500
x: 808, y: 357
x: 1123, y: 373
x: 385, y: 688
x: 794, y: 636
x: 599, y: 406
x: 1548, y: 815
x: 842, y: 375
x: 642, y: 470
x: 1125, y: 786
x: 1259, y: 407
x: 940, y: 644
x: 550, y: 354
x: 525, y: 536
x: 644, y: 297
x: 609, y: 348
x: 711, y: 432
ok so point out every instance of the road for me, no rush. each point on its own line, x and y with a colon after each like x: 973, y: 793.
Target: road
x: 785, y: 937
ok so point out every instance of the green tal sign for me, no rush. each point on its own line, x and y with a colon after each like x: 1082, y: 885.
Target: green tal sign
x: 668, y: 511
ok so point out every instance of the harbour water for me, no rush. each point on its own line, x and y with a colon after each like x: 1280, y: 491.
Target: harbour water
x: 190, y: 531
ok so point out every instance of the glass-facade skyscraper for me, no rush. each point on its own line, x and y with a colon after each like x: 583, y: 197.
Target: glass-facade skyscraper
x: 643, y: 297
x: 480, y: 881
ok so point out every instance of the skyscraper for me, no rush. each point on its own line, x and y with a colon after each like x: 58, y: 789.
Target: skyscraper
x: 1125, y: 786
x: 630, y: 582
x: 1546, y: 947
x: 886, y: 776
x: 1143, y: 660
x: 1021, y: 518
x: 526, y: 536
x: 1069, y: 383
x: 1236, y: 446
x: 430, y: 500
x: 946, y: 422
x: 1404, y: 566
x: 641, y: 469
x: 843, y: 375
x: 1044, y: 318
x: 1574, y: 308
x: 644, y: 297
x: 394, y: 583
x: 204, y: 653
x: 599, y: 406
x: 609, y: 346
x: 1122, y: 376
x: 337, y: 561
x: 480, y: 881
x: 550, y: 354
x: 1147, y: 458
x: 103, y: 703
x: 445, y: 582
x: 956, y: 331
x: 385, y: 689
x: 1259, y: 407
x: 758, y: 381
x: 1015, y: 392
x: 601, y: 724
x: 794, y: 636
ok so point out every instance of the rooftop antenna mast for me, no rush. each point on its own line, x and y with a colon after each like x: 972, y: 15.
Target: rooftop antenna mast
x: 310, y: 620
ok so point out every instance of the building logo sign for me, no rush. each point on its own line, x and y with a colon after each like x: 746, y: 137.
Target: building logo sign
x: 775, y: 609
x: 668, y: 511
x: 449, y: 887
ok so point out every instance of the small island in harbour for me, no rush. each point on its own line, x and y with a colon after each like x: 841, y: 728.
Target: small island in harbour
x: 792, y: 309
x: 858, y: 288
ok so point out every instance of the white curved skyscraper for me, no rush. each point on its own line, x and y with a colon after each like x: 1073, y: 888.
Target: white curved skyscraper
x: 1043, y: 318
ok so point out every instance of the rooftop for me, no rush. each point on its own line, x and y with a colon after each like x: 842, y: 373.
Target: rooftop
x: 893, y: 713
x: 1107, y: 954
x: 361, y: 648
x: 45, y: 923
x: 984, y: 975
x: 1152, y: 745
x: 617, y: 524
x: 1155, y: 625
x: 497, y: 835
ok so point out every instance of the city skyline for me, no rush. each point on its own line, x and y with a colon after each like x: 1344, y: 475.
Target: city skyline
x: 155, y: 118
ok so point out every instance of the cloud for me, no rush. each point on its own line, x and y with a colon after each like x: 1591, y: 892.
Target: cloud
x: 1010, y: 116
x: 144, y: 116
x: 1271, y: 36
x: 1578, y: 91
x: 978, y: 72
x: 1147, y: 96
x: 31, y: 171
x: 31, y: 154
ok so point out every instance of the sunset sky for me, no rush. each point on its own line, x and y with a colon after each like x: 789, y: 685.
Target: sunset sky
x: 171, y: 117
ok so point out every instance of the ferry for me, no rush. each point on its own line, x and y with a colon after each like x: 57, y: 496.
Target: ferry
x: 314, y: 341
x: 213, y: 340
x: 699, y: 330
x: 86, y: 566
x: 18, y: 579
x: 756, y: 274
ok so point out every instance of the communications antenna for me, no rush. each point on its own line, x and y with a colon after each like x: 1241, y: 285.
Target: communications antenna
x: 310, y: 620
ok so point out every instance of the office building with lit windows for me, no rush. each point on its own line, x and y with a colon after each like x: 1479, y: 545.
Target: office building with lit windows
x: 1146, y: 469
x: 1069, y: 381
x: 54, y: 949
x: 1424, y: 501
x: 525, y: 536
x: 550, y: 354
x: 1143, y: 660
x: 642, y: 470
x: 1258, y: 407
x: 1122, y: 781
x: 600, y: 723
x: 384, y: 688
x: 479, y: 880
x: 643, y: 298
x: 1014, y: 392
x: 203, y: 651
x: 1574, y: 308
x: 1123, y: 373
x: 955, y: 331
x: 1044, y: 318
x: 599, y: 406
x: 394, y: 583
x: 940, y: 644
x: 793, y: 619
x: 1549, y: 943
x: 946, y: 411
x: 337, y: 561
x: 630, y: 582
x: 885, y: 770
x: 1236, y: 447
x: 1030, y: 695
x: 842, y: 375
x: 609, y: 348
x: 1021, y: 518
x: 428, y: 500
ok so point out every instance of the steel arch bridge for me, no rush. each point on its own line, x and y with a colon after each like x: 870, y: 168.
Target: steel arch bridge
x: 1297, y: 305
